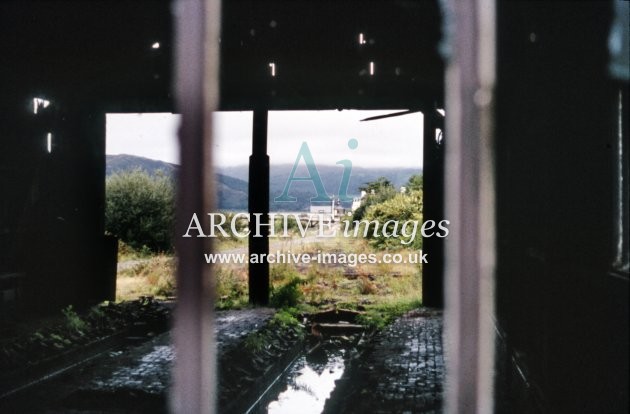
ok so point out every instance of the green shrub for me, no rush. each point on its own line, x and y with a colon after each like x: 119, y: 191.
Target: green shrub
x: 278, y: 225
x: 381, y: 315
x: 256, y: 342
x: 73, y: 320
x: 126, y: 252
x: 140, y: 209
x: 282, y: 272
x: 286, y: 318
x: 289, y: 295
x: 400, y: 209
x: 377, y: 191
x: 230, y: 290
x: 241, y: 225
x: 415, y: 183
x: 384, y: 203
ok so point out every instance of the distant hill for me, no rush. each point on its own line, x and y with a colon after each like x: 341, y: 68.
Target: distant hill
x: 124, y: 162
x: 331, y: 176
x: 232, y: 192
x: 231, y: 182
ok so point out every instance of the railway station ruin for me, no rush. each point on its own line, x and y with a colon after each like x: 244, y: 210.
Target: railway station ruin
x: 531, y: 168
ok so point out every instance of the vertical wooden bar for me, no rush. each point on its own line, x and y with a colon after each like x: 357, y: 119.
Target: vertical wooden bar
x: 470, y: 248
x: 197, y: 44
x: 259, y: 203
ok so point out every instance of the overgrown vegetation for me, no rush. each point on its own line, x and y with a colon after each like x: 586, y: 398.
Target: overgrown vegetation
x: 383, y: 290
x: 70, y: 329
x: 376, y: 192
x: 230, y: 288
x: 240, y: 225
x: 285, y: 321
x: 317, y: 286
x: 139, y: 209
x: 126, y: 252
x: 386, y: 206
x: 393, y: 213
x: 291, y: 225
x: 152, y: 276
x: 415, y: 183
x: 287, y: 295
x: 380, y: 315
x: 73, y: 320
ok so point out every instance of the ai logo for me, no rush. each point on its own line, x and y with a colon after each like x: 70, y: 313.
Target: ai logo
x: 313, y: 176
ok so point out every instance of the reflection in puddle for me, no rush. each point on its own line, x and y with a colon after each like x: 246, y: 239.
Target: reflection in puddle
x: 309, y: 383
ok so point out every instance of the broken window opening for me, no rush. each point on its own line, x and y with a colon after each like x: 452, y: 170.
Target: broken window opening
x: 439, y: 136
x: 49, y: 142
x: 141, y: 152
x: 40, y: 103
x: 621, y: 263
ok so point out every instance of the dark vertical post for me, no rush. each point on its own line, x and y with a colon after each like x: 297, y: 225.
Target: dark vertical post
x: 433, y: 208
x: 259, y: 205
x: 92, y: 129
x: 102, y: 254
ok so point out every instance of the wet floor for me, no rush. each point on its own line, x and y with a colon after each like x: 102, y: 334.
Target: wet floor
x: 308, y: 383
x: 135, y: 377
x: 151, y: 373
x: 403, y: 371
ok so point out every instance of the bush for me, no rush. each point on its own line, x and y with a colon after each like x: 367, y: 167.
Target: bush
x: 230, y: 289
x: 377, y: 192
x: 415, y: 183
x: 289, y: 295
x: 241, y: 225
x: 379, y: 316
x: 400, y: 208
x: 73, y: 320
x: 366, y: 287
x: 278, y: 225
x: 140, y: 209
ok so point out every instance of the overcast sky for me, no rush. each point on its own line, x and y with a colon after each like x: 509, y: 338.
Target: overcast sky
x: 391, y: 142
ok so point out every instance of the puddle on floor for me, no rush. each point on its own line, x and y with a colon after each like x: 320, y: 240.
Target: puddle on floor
x: 308, y: 383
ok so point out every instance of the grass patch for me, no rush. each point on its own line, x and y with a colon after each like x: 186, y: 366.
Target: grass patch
x: 231, y: 288
x: 73, y: 320
x: 284, y: 322
x: 126, y: 252
x: 380, y: 315
x: 382, y: 289
x: 255, y: 342
x: 37, y: 340
x: 288, y: 295
x: 222, y: 244
x: 153, y: 276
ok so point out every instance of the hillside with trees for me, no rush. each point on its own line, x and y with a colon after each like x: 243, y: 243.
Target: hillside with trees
x: 232, y: 188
